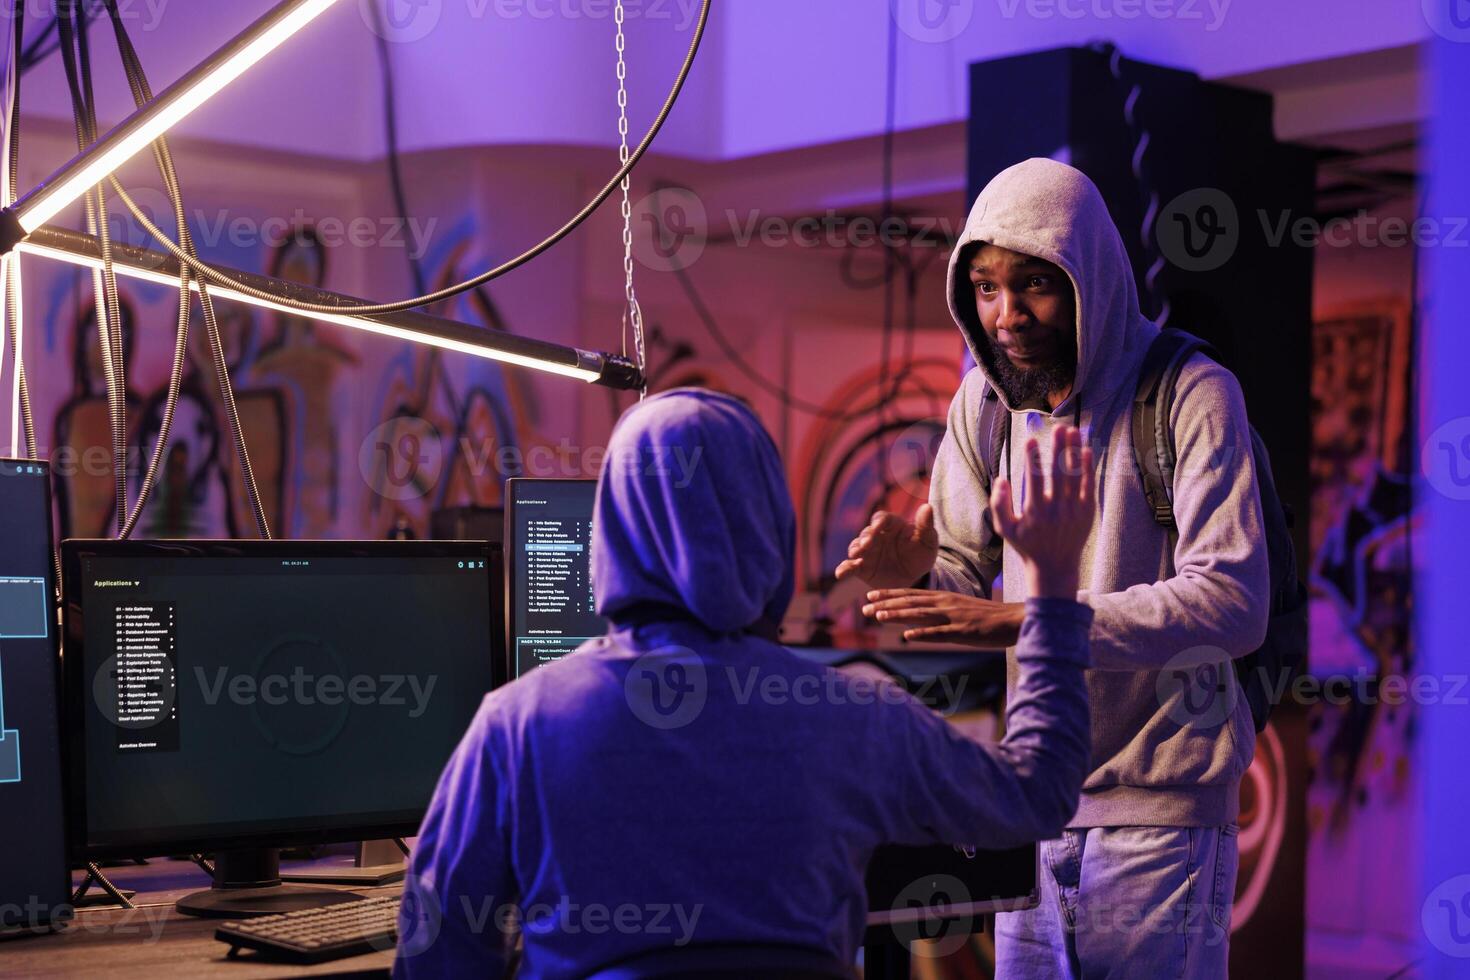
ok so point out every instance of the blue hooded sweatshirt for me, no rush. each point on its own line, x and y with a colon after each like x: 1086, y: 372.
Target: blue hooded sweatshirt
x: 683, y: 782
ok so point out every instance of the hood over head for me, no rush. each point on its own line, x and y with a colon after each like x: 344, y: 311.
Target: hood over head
x: 693, y: 516
x: 1047, y: 209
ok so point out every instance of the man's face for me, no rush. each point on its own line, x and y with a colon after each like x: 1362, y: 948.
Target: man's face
x: 1028, y: 312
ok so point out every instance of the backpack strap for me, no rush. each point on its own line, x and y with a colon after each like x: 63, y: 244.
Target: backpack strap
x: 995, y: 431
x: 1153, y: 441
x: 994, y: 434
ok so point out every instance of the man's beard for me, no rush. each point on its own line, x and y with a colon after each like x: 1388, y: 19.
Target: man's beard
x: 1023, y: 385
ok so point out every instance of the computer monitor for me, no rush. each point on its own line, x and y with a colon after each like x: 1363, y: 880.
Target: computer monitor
x: 549, y: 605
x: 236, y: 696
x: 35, y: 883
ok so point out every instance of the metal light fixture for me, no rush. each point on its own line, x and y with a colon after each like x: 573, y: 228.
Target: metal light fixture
x: 133, y: 134
x: 159, y: 267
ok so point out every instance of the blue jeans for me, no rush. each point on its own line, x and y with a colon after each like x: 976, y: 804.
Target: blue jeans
x: 1124, y: 902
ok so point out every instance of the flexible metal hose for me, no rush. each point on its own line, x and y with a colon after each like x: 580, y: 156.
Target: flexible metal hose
x: 207, y: 272
x: 142, y: 93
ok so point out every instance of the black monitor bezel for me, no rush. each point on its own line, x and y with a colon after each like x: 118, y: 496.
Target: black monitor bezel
x: 508, y: 550
x: 50, y: 917
x: 74, y: 689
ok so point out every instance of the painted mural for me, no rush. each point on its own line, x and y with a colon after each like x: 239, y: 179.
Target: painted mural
x: 1363, y: 534
x: 306, y: 398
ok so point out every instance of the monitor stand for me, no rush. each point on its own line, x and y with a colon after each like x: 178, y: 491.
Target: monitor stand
x: 378, y: 862
x: 247, y: 883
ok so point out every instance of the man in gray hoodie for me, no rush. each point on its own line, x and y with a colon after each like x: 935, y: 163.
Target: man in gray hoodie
x: 1141, y: 882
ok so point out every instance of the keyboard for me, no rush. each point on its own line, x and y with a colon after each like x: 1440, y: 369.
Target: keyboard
x: 317, y: 935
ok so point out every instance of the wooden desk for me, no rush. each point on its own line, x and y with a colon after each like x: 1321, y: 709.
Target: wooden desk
x: 154, y: 941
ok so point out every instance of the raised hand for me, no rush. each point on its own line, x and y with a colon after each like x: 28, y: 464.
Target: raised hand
x: 892, y: 552
x: 1051, y: 528
x: 1049, y: 534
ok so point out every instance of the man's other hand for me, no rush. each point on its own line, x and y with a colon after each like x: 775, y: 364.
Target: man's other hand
x: 892, y: 552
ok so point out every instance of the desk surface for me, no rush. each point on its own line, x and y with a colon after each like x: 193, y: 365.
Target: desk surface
x: 155, y: 941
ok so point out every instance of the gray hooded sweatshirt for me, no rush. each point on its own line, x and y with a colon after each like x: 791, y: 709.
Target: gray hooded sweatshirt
x: 1155, y: 761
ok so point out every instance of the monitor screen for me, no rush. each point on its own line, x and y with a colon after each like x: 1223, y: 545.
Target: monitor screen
x: 242, y: 693
x: 548, y: 534
x: 35, y: 882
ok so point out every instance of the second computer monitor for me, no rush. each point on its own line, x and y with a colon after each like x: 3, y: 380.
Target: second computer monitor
x: 238, y: 694
x: 549, y: 610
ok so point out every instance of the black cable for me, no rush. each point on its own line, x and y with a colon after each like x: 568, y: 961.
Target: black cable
x: 890, y: 264
x: 27, y: 416
x: 109, y: 320
x: 390, y: 135
x: 181, y: 342
x: 142, y: 93
x: 13, y: 137
x: 1138, y: 164
x: 209, y: 272
x: 39, y: 49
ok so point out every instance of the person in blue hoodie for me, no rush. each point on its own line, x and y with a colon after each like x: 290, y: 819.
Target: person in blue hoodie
x: 686, y: 787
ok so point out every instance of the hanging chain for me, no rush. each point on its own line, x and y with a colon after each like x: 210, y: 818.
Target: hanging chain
x: 632, y: 313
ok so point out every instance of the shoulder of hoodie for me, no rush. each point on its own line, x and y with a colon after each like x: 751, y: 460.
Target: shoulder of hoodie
x: 971, y: 393
x: 1205, y: 386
